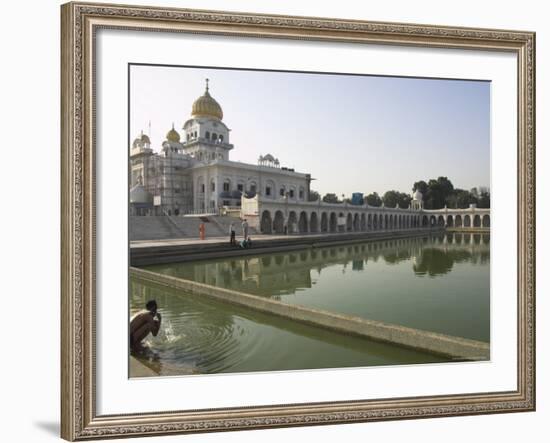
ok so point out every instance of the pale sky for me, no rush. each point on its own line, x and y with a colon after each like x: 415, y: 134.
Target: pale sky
x: 353, y: 133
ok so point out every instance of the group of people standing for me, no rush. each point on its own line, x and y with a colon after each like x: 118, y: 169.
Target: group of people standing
x: 246, y: 242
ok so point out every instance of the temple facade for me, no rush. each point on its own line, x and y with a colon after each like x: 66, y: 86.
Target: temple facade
x: 192, y: 173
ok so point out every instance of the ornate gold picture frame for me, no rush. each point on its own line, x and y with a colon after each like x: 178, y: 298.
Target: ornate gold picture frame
x: 80, y: 22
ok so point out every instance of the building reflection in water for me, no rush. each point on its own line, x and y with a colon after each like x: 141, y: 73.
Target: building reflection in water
x: 286, y: 273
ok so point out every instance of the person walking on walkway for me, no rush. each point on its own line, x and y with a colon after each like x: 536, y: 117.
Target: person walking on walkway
x: 245, y: 229
x: 232, y: 241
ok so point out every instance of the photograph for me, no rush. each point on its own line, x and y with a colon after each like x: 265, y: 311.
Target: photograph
x: 286, y: 218
x: 291, y: 220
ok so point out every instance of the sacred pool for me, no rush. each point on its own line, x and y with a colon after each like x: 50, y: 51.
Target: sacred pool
x: 438, y: 283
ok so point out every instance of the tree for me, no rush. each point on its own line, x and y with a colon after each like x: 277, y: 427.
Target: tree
x: 437, y: 192
x: 484, y: 200
x: 421, y: 186
x: 373, y: 199
x: 392, y: 199
x: 463, y: 198
x: 404, y: 200
x: 313, y: 196
x: 331, y: 198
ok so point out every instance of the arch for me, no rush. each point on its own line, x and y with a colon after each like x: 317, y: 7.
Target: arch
x: 467, y: 221
x: 458, y: 221
x: 477, y: 221
x: 375, y: 222
x: 214, y: 136
x: 269, y: 189
x: 333, y: 224
x: 302, y: 223
x: 349, y: 222
x: 369, y: 222
x: 450, y: 221
x: 356, y: 222
x: 252, y: 188
x: 433, y: 221
x: 425, y: 221
x: 292, y: 225
x: 324, y: 222
x: 226, y: 185
x: 391, y: 221
x: 292, y: 192
x: 363, y: 222
x: 441, y: 221
x: 313, y: 222
x: 386, y: 221
x: 486, y: 221
x: 200, y: 185
x: 279, y: 223
x: 266, y: 223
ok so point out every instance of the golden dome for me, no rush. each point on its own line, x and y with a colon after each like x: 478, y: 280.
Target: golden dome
x: 206, y: 106
x: 173, y: 135
x: 141, y: 140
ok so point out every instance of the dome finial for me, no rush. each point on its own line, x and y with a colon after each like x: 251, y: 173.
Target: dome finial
x: 206, y: 106
x: 173, y: 135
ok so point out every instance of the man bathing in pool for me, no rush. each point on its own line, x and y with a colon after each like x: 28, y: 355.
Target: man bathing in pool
x: 143, y: 323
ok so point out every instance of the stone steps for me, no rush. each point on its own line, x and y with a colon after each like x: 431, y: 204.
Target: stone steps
x: 169, y: 227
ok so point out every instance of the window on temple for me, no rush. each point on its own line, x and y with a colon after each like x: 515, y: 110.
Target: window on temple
x: 268, y: 190
x: 226, y: 185
x: 291, y: 193
x: 240, y: 187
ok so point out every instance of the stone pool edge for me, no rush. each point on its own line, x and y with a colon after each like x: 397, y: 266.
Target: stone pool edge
x: 439, y: 344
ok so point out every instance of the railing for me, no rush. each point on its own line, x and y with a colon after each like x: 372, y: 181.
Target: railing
x: 201, y: 212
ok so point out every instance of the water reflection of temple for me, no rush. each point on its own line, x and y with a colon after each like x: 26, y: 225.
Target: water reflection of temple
x: 283, y: 273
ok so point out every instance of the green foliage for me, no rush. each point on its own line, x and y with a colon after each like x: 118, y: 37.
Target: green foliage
x: 331, y: 198
x: 313, y: 196
x: 440, y: 192
x: 484, y: 200
x: 392, y: 199
x: 422, y: 186
x: 436, y: 194
x: 373, y: 199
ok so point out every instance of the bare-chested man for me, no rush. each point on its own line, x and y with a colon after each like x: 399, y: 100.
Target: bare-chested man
x: 143, y: 323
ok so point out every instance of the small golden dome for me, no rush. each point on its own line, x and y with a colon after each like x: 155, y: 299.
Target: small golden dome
x: 206, y: 106
x: 173, y: 135
x: 141, y: 140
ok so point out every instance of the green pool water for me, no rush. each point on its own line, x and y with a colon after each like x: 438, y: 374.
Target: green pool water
x: 435, y: 283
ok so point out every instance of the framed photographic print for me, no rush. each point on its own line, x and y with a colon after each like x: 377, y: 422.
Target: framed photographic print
x: 282, y: 221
